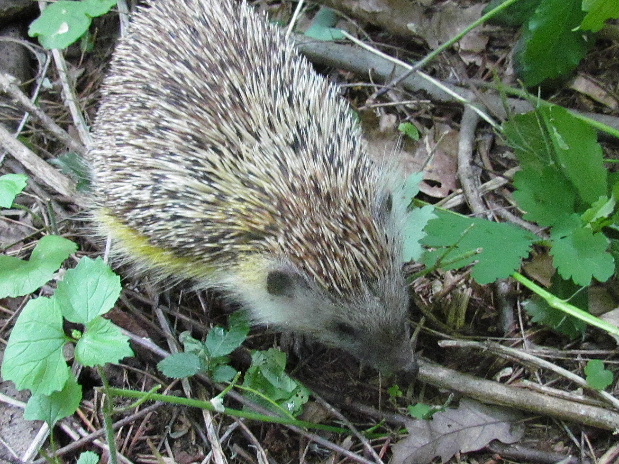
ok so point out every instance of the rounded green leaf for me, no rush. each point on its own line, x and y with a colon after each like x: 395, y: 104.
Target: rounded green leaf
x: 88, y: 291
x: 33, y: 358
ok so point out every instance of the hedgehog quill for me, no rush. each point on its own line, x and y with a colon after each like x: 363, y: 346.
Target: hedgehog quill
x: 221, y: 157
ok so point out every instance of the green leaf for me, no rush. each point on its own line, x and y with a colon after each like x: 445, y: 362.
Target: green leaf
x: 322, y: 26
x: 601, y: 209
x: 223, y: 373
x: 544, y: 194
x: 550, y: 47
x: 514, y: 15
x: 19, y: 277
x: 598, y: 12
x: 88, y: 291
x: 74, y: 166
x: 88, y: 457
x: 267, y: 375
x: 11, y: 185
x: 416, y: 221
x: 498, y: 248
x: 582, y: 256
x: 562, y: 149
x: 221, y: 342
x: 60, y: 24
x: 33, y: 357
x: 96, y: 8
x: 542, y: 313
x: 64, y: 22
x: 528, y: 135
x: 180, y: 365
x: 410, y: 130
x: 598, y: 377
x: 103, y: 342
x: 56, y: 406
x: 422, y: 411
x: 578, y: 153
x: 410, y: 188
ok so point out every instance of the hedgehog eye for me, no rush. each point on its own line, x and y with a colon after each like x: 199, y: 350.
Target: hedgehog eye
x: 280, y: 283
x: 386, y: 206
x: 345, y: 330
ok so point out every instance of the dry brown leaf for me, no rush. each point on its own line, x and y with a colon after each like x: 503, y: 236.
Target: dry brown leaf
x: 468, y: 428
x: 441, y: 172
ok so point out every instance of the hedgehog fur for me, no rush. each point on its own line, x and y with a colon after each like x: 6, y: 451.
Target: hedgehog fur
x: 220, y: 156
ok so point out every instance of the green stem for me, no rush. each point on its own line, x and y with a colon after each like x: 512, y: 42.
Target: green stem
x: 232, y: 412
x: 429, y: 57
x: 108, y: 411
x: 562, y: 305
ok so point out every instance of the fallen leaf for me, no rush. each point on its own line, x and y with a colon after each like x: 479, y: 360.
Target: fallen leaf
x: 468, y: 428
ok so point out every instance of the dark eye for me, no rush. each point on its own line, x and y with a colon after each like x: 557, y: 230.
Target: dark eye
x: 345, y: 329
x: 280, y: 283
x: 386, y: 206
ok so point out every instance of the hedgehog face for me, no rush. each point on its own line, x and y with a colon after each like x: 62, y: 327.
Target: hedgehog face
x: 373, y: 327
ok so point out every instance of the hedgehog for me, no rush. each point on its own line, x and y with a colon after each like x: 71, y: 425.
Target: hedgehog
x: 221, y: 157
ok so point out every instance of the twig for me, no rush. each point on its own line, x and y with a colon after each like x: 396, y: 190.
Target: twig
x: 496, y: 393
x: 42, y: 170
x: 347, y: 423
x: 71, y: 99
x: 534, y: 360
x: 468, y: 180
x: 99, y: 433
x: 8, y: 85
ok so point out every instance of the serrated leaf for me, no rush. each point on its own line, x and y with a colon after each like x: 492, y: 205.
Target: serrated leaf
x: 19, y: 277
x: 33, y: 357
x: 550, y: 47
x: 103, y: 342
x: 414, y: 231
x: 582, y: 256
x: 88, y: 457
x: 56, y: 406
x: 411, y: 187
x: 88, y: 291
x: 11, y: 185
x: 598, y: 377
x: 180, y: 365
x: 598, y: 12
x: 468, y: 428
x: 498, y: 248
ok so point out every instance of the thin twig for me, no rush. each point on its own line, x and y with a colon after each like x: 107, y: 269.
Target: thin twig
x: 8, y: 85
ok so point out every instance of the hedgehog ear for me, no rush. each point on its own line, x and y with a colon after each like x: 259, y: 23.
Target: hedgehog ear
x: 280, y: 283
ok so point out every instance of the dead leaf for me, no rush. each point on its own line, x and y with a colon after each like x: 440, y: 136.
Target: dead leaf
x: 468, y: 428
x: 440, y: 146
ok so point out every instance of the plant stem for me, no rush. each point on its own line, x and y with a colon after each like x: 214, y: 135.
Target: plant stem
x: 108, y: 410
x: 563, y: 305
